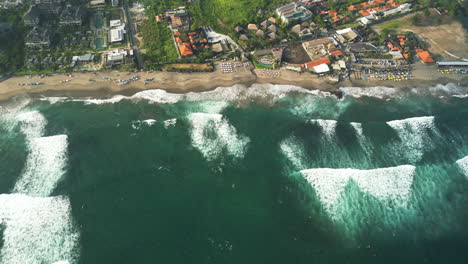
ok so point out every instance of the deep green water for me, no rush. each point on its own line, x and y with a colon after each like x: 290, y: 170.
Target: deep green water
x: 206, y: 181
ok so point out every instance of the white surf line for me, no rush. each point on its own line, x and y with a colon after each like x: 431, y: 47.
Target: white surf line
x: 389, y: 185
x: 463, y: 165
x: 37, y: 230
x: 414, y: 136
x: 212, y: 134
x: 45, y: 166
x: 328, y: 127
x: 231, y: 94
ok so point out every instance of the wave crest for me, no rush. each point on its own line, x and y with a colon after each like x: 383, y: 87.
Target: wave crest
x: 389, y: 185
x: 212, y: 134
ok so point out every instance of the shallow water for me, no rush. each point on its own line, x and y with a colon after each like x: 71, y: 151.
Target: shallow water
x: 265, y: 174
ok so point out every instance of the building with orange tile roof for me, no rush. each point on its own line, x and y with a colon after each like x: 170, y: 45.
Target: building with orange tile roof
x: 364, y: 13
x: 185, y: 49
x: 424, y: 56
x: 318, y: 62
x: 336, y: 53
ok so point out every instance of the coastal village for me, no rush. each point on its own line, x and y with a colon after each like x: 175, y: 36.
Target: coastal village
x: 377, y: 40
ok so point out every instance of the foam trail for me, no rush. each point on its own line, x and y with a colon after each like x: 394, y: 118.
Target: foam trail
x: 32, y: 124
x: 389, y: 185
x: 44, y: 167
x: 414, y: 136
x: 212, y: 134
x: 37, y: 230
x: 294, y: 152
x: 463, y: 165
x: 328, y: 127
x: 363, y: 141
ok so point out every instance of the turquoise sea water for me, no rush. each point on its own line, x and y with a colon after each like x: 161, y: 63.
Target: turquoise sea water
x: 262, y: 174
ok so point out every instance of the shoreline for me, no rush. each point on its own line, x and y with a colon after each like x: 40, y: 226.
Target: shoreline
x: 79, y: 85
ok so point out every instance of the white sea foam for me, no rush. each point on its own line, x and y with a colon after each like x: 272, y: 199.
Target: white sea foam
x: 328, y: 127
x: 44, y: 167
x: 231, y: 94
x: 463, y: 165
x: 113, y: 100
x: 32, y: 124
x: 363, y: 141
x: 294, y: 152
x: 378, y: 91
x: 212, y: 134
x: 149, y: 122
x: 14, y: 105
x: 170, y: 123
x: 37, y: 230
x: 54, y: 100
x: 414, y: 134
x: 389, y: 185
x: 450, y: 89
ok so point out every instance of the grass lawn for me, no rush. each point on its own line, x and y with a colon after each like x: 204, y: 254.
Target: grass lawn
x: 189, y: 66
x: 392, y: 24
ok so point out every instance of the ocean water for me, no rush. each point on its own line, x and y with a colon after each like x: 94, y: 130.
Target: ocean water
x: 260, y: 174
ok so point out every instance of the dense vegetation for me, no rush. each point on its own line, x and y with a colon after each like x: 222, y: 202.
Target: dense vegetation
x: 223, y: 15
x: 12, y: 41
x: 158, y: 43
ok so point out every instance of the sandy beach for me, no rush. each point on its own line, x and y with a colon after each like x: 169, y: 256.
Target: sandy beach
x: 107, y: 83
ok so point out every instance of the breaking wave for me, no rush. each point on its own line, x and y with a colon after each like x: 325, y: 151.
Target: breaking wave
x: 463, y: 165
x: 381, y: 92
x: 45, y: 166
x: 389, y: 185
x: 37, y: 230
x: 415, y: 136
x: 363, y: 141
x: 32, y: 124
x: 232, y: 94
x: 170, y: 123
x: 328, y: 127
x: 212, y: 134
x: 294, y: 151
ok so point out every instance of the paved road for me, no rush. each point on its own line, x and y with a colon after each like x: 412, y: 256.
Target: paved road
x: 131, y: 37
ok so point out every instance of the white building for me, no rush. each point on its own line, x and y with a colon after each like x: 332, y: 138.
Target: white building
x: 322, y: 68
x: 117, y: 32
x: 97, y: 3
x: 118, y: 57
x: 292, y: 12
x: 402, y: 8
